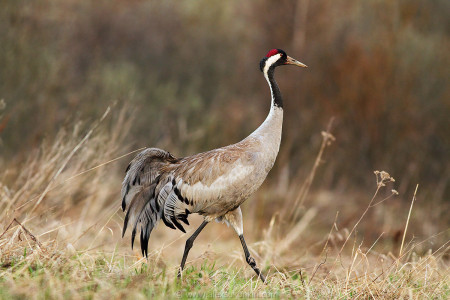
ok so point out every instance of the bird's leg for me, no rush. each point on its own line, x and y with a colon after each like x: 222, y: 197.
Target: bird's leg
x: 234, y: 218
x: 189, y: 243
x: 250, y: 260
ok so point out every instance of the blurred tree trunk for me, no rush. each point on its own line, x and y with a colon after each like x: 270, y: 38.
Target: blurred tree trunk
x: 299, y: 32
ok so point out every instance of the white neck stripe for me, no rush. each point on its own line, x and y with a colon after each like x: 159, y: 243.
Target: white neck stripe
x: 269, y: 62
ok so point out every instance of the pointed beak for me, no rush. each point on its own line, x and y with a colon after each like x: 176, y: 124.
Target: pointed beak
x: 291, y: 61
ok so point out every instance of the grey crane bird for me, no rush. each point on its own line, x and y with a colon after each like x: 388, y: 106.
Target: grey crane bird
x: 159, y: 186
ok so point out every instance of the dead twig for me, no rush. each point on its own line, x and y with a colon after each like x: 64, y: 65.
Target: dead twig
x: 33, y: 238
x: 301, y: 278
x: 29, y: 233
x: 7, y: 228
x: 321, y: 264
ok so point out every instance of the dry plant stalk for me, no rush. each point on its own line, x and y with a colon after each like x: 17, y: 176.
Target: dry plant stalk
x: 327, y: 139
x: 382, y: 178
x: 66, y: 161
x: 407, y: 222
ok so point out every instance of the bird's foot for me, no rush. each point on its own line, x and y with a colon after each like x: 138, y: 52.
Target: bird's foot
x: 252, y: 263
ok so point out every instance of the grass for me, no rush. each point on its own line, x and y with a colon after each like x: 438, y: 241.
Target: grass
x: 101, y: 275
x: 60, y: 235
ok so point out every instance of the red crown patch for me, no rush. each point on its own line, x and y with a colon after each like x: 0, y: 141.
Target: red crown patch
x: 272, y: 52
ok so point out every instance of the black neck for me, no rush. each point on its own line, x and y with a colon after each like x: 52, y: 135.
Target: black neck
x: 276, y: 94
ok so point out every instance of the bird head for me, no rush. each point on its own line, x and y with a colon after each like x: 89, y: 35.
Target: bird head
x: 277, y: 57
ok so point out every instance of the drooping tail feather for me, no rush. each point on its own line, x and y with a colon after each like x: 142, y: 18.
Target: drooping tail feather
x: 140, y: 193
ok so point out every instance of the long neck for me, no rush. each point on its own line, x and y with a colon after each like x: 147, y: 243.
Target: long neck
x: 277, y: 100
x: 270, y: 129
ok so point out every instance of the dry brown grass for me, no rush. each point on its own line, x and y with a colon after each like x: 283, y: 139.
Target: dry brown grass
x: 61, y: 226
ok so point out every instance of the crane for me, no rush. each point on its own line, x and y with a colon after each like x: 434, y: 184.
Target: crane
x: 159, y: 186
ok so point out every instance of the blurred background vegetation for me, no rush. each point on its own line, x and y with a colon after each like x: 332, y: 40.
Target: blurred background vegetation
x: 189, y: 70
